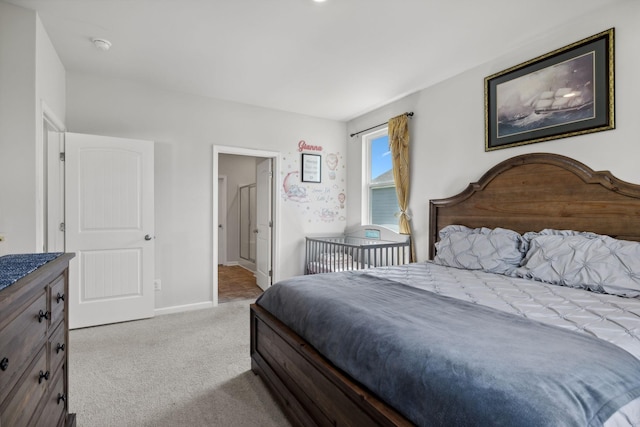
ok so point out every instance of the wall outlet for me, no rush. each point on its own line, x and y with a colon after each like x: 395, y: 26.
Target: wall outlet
x: 157, y: 285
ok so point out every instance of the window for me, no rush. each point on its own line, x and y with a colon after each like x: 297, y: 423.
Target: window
x: 380, y: 203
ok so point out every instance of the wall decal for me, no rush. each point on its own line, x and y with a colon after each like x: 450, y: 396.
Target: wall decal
x: 332, y: 164
x: 292, y: 190
x: 315, y: 202
x: 303, y: 146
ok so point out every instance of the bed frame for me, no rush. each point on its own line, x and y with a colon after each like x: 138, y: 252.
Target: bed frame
x: 540, y: 190
x: 525, y: 193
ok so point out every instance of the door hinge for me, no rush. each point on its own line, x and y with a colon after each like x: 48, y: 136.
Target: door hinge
x: 62, y: 157
x: 270, y: 174
x: 270, y: 223
x: 62, y: 227
x: 270, y: 273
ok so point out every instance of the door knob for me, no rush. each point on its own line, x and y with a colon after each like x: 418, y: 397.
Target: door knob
x: 147, y: 237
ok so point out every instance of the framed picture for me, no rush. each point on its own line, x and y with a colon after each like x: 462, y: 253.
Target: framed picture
x: 311, y: 167
x: 567, y: 92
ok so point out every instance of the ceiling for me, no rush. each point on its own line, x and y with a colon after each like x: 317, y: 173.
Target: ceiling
x: 336, y: 60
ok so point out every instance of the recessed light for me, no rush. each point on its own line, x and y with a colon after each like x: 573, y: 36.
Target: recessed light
x: 102, y: 44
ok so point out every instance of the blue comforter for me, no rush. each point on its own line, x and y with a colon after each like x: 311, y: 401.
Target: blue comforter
x: 442, y: 361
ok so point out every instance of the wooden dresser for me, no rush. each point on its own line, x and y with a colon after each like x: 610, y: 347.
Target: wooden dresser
x: 34, y: 332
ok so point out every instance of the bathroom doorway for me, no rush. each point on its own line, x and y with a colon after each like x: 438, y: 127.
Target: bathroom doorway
x: 251, y: 224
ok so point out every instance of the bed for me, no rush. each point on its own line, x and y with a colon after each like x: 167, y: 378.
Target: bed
x: 517, y: 318
x: 358, y: 248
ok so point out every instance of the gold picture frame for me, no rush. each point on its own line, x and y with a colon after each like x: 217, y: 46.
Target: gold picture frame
x: 563, y: 93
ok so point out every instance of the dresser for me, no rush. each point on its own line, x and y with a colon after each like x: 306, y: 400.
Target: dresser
x: 34, y: 335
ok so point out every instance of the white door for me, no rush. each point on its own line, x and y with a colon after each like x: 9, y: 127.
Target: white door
x: 110, y: 227
x: 264, y: 186
x: 222, y: 220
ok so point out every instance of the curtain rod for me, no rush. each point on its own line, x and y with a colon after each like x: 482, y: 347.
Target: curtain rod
x: 408, y: 114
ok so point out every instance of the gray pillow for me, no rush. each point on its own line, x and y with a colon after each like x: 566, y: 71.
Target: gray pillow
x: 527, y: 237
x: 495, y: 250
x: 587, y: 261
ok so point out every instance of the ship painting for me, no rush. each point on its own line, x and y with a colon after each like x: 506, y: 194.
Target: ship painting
x: 563, y: 99
x: 552, y: 96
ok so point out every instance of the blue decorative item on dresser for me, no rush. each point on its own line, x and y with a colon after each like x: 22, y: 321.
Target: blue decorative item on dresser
x: 14, y: 267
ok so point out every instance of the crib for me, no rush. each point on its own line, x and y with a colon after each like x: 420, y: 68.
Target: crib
x: 358, y: 248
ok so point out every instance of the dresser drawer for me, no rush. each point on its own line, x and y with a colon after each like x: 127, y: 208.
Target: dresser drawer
x: 54, y: 404
x: 33, y: 347
x: 18, y: 341
x: 57, y: 348
x: 56, y: 300
x: 23, y: 400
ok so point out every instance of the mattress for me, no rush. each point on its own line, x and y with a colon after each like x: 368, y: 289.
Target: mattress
x: 609, y: 318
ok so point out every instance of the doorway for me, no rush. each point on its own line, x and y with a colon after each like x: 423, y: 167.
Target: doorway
x: 83, y: 190
x: 267, y: 229
x: 50, y: 184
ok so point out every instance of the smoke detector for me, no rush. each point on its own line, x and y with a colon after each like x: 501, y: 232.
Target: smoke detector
x: 102, y: 44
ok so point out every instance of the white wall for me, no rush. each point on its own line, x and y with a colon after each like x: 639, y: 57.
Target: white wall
x: 17, y: 133
x: 50, y: 95
x: 50, y: 77
x: 447, y: 131
x: 185, y: 128
x: 30, y: 72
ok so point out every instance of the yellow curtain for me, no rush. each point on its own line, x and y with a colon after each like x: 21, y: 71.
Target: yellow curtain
x: 399, y: 144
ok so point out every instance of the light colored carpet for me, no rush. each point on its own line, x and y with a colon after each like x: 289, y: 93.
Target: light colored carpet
x: 185, y: 369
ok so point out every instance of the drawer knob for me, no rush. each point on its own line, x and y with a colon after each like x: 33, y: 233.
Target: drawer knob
x: 59, y: 298
x: 59, y: 347
x: 43, y: 315
x: 4, y: 363
x: 43, y: 375
x: 62, y: 397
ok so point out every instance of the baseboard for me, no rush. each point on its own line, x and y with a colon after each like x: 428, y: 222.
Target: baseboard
x: 248, y: 269
x: 236, y: 263
x: 251, y: 266
x: 183, y: 308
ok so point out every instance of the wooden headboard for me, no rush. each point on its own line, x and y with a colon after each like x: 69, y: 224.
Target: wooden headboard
x: 535, y: 191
